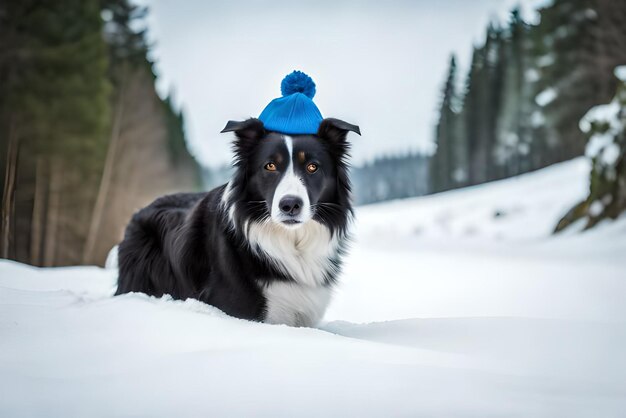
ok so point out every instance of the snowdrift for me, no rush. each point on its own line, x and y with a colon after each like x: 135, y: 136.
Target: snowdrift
x: 458, y: 304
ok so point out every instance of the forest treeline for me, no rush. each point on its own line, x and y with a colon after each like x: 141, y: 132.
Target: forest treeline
x: 527, y: 89
x: 85, y: 138
x: 390, y: 177
x: 519, y: 106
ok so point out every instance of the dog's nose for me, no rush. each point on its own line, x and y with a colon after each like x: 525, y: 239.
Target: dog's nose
x: 290, y: 205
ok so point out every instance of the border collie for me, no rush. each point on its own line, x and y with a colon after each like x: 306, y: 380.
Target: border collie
x: 266, y: 246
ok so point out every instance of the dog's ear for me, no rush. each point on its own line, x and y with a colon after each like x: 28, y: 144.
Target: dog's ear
x: 248, y: 129
x: 249, y: 133
x: 335, y: 130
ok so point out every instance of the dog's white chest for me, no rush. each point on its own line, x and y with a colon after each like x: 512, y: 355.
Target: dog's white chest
x: 295, y: 304
x: 305, y: 255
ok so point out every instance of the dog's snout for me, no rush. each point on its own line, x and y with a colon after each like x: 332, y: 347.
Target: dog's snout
x: 290, y: 205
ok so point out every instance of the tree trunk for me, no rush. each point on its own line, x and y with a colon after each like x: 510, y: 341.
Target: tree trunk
x: 53, y: 213
x: 39, y: 205
x: 107, y: 174
x: 8, y: 198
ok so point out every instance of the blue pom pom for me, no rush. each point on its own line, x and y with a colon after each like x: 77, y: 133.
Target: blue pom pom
x: 298, y: 82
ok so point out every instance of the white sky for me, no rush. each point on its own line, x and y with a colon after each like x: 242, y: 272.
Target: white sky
x: 379, y: 64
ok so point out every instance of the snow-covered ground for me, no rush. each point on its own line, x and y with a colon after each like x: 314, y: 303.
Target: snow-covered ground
x: 458, y: 304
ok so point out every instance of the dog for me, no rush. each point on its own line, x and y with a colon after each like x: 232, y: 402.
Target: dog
x: 268, y: 245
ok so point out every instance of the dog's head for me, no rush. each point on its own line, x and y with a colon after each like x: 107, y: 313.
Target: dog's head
x: 291, y: 179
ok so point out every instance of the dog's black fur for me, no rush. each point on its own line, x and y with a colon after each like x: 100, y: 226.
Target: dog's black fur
x: 196, y: 246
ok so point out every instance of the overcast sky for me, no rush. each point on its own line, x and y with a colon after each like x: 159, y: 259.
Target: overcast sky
x: 378, y: 64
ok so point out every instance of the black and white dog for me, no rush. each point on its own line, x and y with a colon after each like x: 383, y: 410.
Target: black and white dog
x: 267, y: 246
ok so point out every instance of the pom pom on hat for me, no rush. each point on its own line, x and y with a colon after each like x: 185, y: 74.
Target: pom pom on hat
x: 295, y: 112
x: 298, y: 82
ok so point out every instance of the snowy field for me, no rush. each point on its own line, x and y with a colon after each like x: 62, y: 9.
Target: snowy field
x: 454, y: 305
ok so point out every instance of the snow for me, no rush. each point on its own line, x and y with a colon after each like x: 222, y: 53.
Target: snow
x: 532, y: 75
x: 598, y: 143
x: 546, y: 60
x: 611, y: 154
x: 456, y: 304
x: 537, y: 119
x: 608, y: 113
x: 546, y: 97
x: 620, y: 72
x: 596, y: 208
x: 606, y: 123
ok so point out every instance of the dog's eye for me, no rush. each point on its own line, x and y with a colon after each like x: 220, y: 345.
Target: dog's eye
x: 311, y: 168
x: 270, y: 167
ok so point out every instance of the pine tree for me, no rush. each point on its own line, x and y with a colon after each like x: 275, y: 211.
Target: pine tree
x: 513, y: 136
x: 147, y: 152
x: 606, y: 127
x: 470, y: 113
x: 54, y: 105
x: 447, y: 168
x: 78, y: 103
x: 529, y: 85
x: 492, y: 91
x: 578, y: 43
x: 481, y: 106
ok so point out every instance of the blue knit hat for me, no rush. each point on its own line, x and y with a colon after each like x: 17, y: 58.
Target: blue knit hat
x: 295, y: 112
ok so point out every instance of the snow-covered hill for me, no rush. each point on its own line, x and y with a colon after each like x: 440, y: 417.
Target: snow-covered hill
x: 458, y: 304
